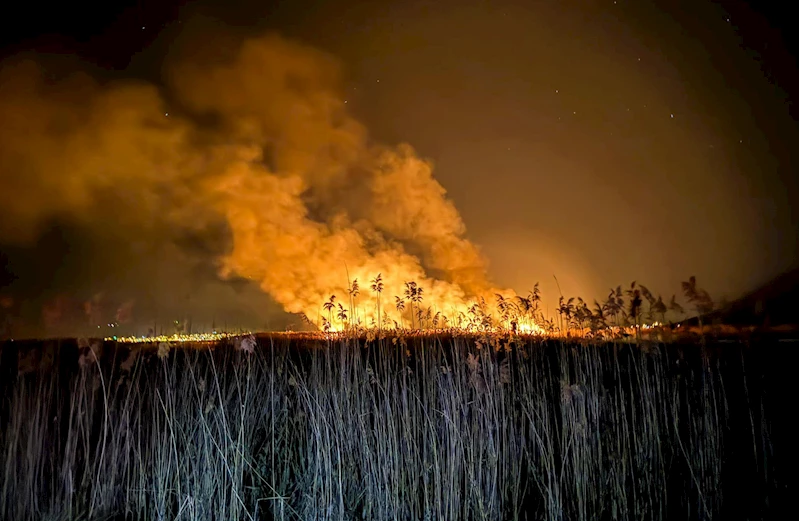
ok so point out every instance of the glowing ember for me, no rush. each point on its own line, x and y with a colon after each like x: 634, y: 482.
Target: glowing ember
x: 196, y: 337
x: 345, y: 331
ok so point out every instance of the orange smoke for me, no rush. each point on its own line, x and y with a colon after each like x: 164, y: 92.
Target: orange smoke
x: 262, y: 140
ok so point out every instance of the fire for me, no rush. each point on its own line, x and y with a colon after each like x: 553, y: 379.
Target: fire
x: 531, y: 329
x: 308, y: 202
x: 410, y: 307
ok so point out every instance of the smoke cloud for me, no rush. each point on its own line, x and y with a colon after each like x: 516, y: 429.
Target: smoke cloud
x: 245, y: 160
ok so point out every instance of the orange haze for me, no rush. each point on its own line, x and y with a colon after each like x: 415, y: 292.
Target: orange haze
x: 259, y: 138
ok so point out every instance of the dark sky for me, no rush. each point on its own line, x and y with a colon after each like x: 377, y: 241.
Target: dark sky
x: 598, y: 141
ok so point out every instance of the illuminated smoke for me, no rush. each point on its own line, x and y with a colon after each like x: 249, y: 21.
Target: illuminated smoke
x: 261, y: 140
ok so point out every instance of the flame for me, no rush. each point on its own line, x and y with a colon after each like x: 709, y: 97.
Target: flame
x: 348, y: 330
x: 531, y: 329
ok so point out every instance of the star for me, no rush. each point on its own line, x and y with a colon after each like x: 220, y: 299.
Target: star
x: 672, y: 116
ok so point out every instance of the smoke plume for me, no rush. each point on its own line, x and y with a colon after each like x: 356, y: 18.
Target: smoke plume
x: 254, y: 148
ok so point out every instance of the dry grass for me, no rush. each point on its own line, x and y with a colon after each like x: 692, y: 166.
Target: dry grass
x: 406, y: 427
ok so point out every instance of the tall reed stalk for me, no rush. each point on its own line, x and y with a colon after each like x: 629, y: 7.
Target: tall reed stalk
x: 455, y: 427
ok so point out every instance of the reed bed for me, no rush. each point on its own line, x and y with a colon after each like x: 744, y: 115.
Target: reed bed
x: 418, y: 427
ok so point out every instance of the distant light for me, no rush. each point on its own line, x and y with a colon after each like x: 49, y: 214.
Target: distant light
x: 672, y: 116
x: 142, y: 27
x: 167, y: 113
x: 197, y: 337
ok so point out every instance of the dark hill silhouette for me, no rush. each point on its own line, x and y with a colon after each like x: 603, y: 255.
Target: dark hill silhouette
x: 776, y: 303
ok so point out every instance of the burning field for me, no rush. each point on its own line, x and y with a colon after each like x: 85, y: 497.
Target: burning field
x: 258, y: 161
x: 419, y: 388
x: 604, y: 414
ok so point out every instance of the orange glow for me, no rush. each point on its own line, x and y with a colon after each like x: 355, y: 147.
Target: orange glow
x: 310, y: 204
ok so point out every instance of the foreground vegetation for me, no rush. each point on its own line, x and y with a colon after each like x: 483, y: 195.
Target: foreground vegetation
x: 452, y: 427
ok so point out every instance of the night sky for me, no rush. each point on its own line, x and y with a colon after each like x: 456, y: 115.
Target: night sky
x: 597, y: 141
